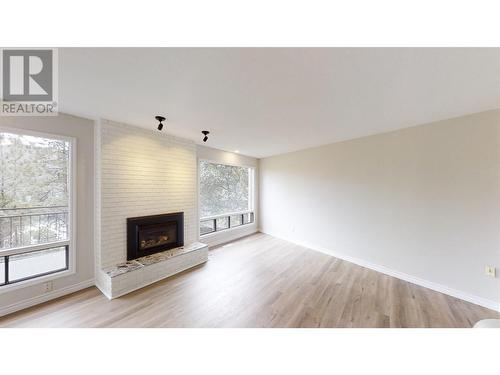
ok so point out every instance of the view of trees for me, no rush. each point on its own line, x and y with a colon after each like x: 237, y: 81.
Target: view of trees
x: 34, y: 190
x: 223, y: 188
x: 33, y: 171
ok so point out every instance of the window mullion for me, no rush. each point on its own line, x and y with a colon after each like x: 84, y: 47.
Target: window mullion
x: 6, y: 265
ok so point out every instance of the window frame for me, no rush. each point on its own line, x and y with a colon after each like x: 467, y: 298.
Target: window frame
x: 70, y: 243
x: 251, y: 199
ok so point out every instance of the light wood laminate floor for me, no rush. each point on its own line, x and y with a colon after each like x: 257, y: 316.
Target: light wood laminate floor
x: 261, y: 281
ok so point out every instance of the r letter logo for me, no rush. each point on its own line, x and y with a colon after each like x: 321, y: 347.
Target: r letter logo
x: 29, y: 82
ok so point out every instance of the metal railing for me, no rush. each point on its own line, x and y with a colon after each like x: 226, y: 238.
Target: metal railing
x: 217, y: 223
x: 21, y: 227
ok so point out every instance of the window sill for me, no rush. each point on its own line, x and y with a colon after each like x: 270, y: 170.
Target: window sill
x: 35, y: 281
x: 217, y: 238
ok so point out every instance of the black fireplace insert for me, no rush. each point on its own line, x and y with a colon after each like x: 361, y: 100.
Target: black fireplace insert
x: 147, y: 235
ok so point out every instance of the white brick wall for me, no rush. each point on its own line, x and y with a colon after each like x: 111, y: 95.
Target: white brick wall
x: 142, y: 173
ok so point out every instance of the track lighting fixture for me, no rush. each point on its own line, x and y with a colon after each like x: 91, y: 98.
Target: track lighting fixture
x: 160, y: 118
x: 205, y: 133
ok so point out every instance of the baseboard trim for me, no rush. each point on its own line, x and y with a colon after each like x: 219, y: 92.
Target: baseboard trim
x: 397, y: 274
x: 21, y: 305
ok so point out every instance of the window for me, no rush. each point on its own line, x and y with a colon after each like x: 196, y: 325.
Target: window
x: 35, y: 198
x: 226, y: 196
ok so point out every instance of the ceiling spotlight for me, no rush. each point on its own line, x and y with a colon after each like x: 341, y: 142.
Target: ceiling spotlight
x: 205, y: 133
x: 160, y: 118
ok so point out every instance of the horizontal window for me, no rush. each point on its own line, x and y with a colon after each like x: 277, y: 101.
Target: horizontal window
x: 28, y: 265
x: 248, y: 218
x: 236, y: 220
x: 222, y: 222
x: 32, y: 264
x: 207, y: 226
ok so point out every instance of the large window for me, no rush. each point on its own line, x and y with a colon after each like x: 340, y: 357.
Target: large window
x: 35, y: 198
x: 226, y: 196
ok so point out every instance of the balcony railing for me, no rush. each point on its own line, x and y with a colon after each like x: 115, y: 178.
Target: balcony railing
x: 34, y: 242
x: 217, y: 223
x: 20, y: 227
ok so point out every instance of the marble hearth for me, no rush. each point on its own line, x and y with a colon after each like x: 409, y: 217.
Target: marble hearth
x: 126, y: 277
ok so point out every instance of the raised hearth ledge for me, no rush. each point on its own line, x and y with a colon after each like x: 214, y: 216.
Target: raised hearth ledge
x: 132, y: 275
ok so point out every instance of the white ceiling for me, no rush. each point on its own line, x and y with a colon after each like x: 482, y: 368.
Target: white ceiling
x: 267, y: 101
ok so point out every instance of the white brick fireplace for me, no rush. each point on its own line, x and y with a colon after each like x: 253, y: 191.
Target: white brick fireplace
x: 141, y: 173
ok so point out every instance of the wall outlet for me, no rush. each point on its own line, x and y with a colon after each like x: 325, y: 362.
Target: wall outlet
x: 490, y: 271
x: 48, y: 286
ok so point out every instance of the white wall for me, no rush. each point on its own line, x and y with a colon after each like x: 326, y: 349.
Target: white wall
x: 141, y: 172
x: 422, y: 203
x: 224, y: 157
x: 83, y: 130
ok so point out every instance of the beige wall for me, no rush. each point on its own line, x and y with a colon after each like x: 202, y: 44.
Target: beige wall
x: 423, y: 202
x: 83, y: 131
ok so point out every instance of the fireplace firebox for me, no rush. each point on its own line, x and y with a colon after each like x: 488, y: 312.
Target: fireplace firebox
x: 147, y: 235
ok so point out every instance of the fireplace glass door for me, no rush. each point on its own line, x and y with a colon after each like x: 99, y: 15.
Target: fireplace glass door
x: 147, y: 235
x: 155, y: 235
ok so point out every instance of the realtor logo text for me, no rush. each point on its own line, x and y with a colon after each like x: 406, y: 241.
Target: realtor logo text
x: 29, y: 82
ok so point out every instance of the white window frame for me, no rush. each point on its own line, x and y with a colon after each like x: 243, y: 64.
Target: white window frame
x: 72, y: 176
x: 251, y: 199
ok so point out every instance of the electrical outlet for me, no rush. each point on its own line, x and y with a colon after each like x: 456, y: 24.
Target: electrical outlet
x: 48, y: 287
x: 490, y: 271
